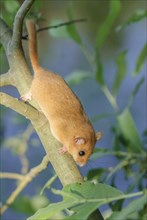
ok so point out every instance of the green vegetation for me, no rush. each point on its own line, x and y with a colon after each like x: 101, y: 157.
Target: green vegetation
x: 80, y: 200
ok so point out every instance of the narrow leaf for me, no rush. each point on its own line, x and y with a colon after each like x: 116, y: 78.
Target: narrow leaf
x: 136, y: 17
x: 133, y: 207
x: 100, y: 152
x: 135, y: 90
x: 48, y: 183
x: 99, y: 73
x: 77, y: 77
x: 121, y: 71
x: 129, y: 130
x: 72, y: 31
x: 101, y: 116
x: 140, y: 61
x: 105, y: 28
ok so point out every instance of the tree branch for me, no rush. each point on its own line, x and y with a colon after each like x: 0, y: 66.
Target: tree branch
x: 20, y: 107
x: 16, y: 61
x: 26, y: 179
x: 18, y: 23
x: 6, y: 79
x: 5, y: 175
x: 62, y: 164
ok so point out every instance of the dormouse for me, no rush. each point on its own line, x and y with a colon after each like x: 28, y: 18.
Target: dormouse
x: 68, y: 122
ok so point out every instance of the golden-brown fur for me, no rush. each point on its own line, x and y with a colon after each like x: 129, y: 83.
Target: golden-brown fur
x: 62, y: 108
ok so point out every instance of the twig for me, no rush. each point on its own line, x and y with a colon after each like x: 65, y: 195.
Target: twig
x: 17, y: 26
x: 24, y: 138
x: 27, y: 178
x: 57, y: 26
x: 5, y: 175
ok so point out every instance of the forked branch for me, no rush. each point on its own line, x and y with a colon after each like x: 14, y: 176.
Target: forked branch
x: 24, y: 182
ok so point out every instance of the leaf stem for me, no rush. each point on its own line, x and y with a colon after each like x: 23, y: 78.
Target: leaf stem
x: 110, y: 98
x: 107, y: 200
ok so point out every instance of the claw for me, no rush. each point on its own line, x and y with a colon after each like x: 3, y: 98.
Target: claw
x: 26, y: 97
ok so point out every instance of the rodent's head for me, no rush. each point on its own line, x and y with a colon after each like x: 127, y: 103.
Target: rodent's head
x: 82, y: 148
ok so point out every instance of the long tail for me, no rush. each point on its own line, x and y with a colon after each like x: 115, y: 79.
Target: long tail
x: 33, y: 45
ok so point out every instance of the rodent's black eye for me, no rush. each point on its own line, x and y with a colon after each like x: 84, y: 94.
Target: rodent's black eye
x: 82, y: 153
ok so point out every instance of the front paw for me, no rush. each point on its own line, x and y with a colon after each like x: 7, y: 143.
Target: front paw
x: 26, y: 97
x: 62, y: 150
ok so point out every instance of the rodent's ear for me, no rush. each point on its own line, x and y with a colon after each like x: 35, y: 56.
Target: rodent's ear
x: 80, y: 140
x: 99, y: 135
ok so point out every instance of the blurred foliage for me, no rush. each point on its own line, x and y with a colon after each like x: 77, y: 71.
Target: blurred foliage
x: 140, y: 60
x: 24, y: 204
x: 9, y: 7
x: 128, y: 146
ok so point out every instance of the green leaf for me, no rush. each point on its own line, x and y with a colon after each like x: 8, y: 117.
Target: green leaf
x: 23, y: 204
x: 77, y: 77
x: 105, y: 28
x: 144, y: 217
x: 73, y: 33
x: 93, y: 192
x: 121, y: 71
x: 67, y: 31
x: 51, y: 210
x: 136, y: 17
x: 39, y: 201
x: 11, y: 6
x: 128, y: 129
x: 101, y: 116
x: 71, y: 29
x: 134, y: 206
x: 27, y: 205
x: 89, y: 193
x: 99, y: 72
x: 96, y: 174
x: 101, y: 152
x: 8, y: 11
x: 83, y: 211
x: 140, y: 61
x: 135, y: 90
x: 82, y: 199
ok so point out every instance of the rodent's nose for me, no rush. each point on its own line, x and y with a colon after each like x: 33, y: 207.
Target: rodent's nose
x: 80, y: 164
